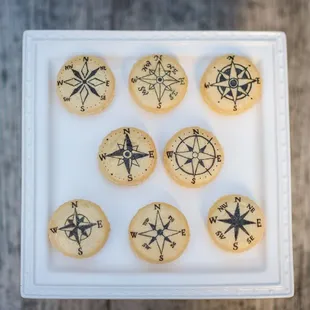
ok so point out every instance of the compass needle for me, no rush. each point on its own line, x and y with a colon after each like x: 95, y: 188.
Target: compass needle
x: 233, y: 71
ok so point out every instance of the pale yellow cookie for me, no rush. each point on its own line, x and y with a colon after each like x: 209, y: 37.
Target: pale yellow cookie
x: 159, y: 233
x: 236, y: 223
x: 157, y: 83
x: 127, y: 156
x: 193, y: 157
x: 78, y: 228
x: 85, y: 85
x: 231, y: 84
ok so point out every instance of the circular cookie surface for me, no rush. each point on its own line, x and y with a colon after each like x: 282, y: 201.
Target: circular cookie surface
x: 231, y: 84
x: 85, y: 85
x: 157, y: 83
x: 78, y: 228
x: 193, y: 157
x: 127, y: 156
x: 236, y: 223
x: 159, y: 233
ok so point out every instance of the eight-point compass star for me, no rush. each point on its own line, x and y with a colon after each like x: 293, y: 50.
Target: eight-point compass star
x: 237, y: 221
x: 160, y: 233
x: 77, y: 227
x: 159, y: 80
x: 195, y: 160
x: 127, y: 154
x: 234, y: 82
x: 84, y: 82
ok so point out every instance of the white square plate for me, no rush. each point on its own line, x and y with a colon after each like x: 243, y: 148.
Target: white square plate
x: 60, y: 163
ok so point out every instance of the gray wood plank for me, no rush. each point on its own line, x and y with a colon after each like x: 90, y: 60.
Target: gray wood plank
x: 17, y: 15
x: 45, y: 304
x: 10, y: 137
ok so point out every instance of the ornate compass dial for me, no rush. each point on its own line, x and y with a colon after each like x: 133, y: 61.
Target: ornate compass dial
x: 159, y: 233
x: 127, y: 156
x: 236, y: 223
x: 85, y: 85
x: 78, y: 228
x: 231, y: 84
x: 158, y: 83
x: 193, y: 157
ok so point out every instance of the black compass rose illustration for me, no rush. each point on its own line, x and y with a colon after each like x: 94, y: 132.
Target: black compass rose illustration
x: 84, y: 82
x: 160, y: 233
x: 127, y: 154
x: 159, y: 80
x: 237, y: 222
x: 77, y: 227
x: 195, y: 155
x: 234, y: 81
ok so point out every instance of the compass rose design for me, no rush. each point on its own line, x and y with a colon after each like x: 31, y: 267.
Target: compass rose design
x: 127, y: 154
x: 237, y: 222
x: 159, y: 80
x: 234, y: 82
x: 195, y: 155
x: 84, y: 82
x: 160, y: 233
x: 77, y: 227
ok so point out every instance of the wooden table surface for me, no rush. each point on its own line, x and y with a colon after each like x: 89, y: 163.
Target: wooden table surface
x: 290, y: 16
